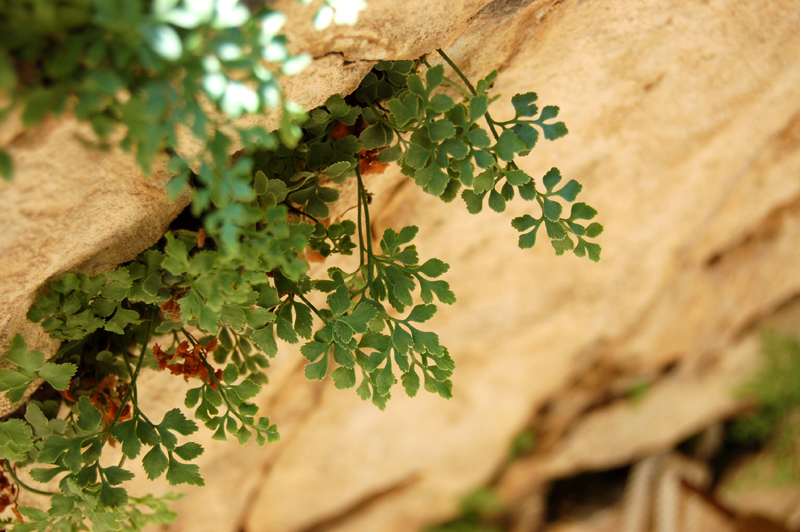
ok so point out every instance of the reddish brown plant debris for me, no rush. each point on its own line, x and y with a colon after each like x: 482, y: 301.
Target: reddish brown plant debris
x: 192, y: 365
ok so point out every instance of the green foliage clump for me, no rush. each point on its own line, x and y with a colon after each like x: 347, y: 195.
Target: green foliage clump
x: 775, y: 392
x: 481, y: 511
x: 219, y: 296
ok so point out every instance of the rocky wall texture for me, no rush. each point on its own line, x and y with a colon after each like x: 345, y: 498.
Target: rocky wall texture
x: 684, y: 123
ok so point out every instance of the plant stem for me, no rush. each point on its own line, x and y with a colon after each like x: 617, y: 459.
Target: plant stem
x: 457, y: 70
x: 134, y: 378
x: 9, y: 468
x: 311, y: 306
x: 368, y: 233
x: 361, y: 247
x: 303, y: 213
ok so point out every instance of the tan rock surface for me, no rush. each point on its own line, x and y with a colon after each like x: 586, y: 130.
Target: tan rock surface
x: 685, y: 132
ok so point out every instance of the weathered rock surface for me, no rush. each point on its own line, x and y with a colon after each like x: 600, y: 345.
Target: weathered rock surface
x: 685, y: 132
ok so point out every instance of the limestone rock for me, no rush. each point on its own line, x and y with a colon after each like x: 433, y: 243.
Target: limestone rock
x: 685, y: 132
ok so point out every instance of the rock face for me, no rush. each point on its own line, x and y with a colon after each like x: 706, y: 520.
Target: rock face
x: 685, y: 132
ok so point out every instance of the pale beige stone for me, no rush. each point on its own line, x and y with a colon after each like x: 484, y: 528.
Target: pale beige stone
x: 684, y: 130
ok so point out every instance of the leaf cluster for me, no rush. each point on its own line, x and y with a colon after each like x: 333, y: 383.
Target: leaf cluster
x: 240, y: 282
x: 31, y: 366
x: 775, y: 393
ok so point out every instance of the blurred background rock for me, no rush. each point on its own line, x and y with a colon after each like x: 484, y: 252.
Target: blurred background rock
x: 586, y: 396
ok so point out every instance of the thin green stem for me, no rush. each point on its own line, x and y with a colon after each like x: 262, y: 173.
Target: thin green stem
x: 362, y: 249
x: 315, y: 220
x: 457, y: 71
x: 461, y: 89
x: 21, y: 484
x: 461, y: 75
x: 368, y: 232
x: 311, y: 306
x: 132, y: 385
x: 302, y: 213
x: 69, y: 347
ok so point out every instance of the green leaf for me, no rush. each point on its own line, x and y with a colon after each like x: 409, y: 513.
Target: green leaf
x: 233, y: 316
x: 555, y: 230
x: 180, y: 473
x: 303, y: 321
x: 16, y: 439
x: 192, y: 397
x: 339, y: 300
x: 434, y: 267
x: 570, y: 191
x: 432, y: 179
x: 421, y: 313
x: 285, y: 331
x: 44, y: 475
x: 565, y: 244
x: 360, y: 317
x: 122, y: 320
x: 479, y: 138
x: 385, y: 380
x: 441, y: 129
x: 592, y: 249
x: 116, y: 475
x: 523, y: 223
x: 581, y: 211
x: 456, y: 148
x: 441, y: 103
x: 155, y: 463
x: 376, y: 136
x: 594, y: 229
x: 118, y: 285
x: 268, y: 296
x: 552, y: 210
x: 523, y: 104
x: 416, y: 86
x: 363, y: 390
x: 176, y: 421
x: 434, y: 76
x: 551, y: 179
x: 483, y: 158
x: 34, y: 514
x: 258, y: 317
x: 344, y: 377
x: 313, y: 350
x: 18, y: 354
x: 189, y: 451
x: 404, y: 110
x: 6, y: 165
x: 496, y: 201
x: 509, y: 145
x: 58, y: 375
x: 11, y: 379
x: 410, y: 381
x: 417, y: 157
x: 147, y: 433
x: 40, y: 103
x: 89, y: 416
x: 125, y: 433
x: 517, y: 178
x: 317, y: 370
x: 265, y: 340
x: 474, y: 201
x: 478, y: 107
x: 112, y: 497
x: 231, y: 374
x: 296, y: 64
